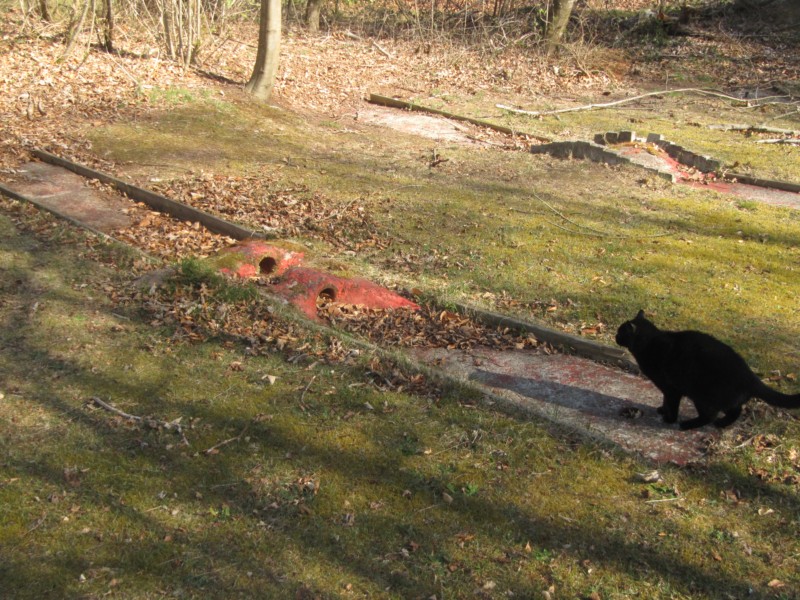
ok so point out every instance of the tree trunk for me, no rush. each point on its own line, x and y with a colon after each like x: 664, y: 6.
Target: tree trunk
x: 44, y: 12
x: 108, y: 43
x: 76, y: 27
x: 562, y: 10
x: 269, y: 44
x: 313, y: 8
x: 167, y: 22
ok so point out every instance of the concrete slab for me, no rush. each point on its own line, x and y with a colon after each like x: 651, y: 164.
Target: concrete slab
x: 67, y: 194
x: 603, y: 402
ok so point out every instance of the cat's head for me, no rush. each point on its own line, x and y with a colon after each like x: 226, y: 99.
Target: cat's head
x: 629, y: 330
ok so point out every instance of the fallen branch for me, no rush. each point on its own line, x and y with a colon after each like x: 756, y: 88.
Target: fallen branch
x: 754, y: 129
x: 352, y: 35
x: 215, y: 448
x: 793, y: 142
x: 540, y: 113
x: 174, y: 425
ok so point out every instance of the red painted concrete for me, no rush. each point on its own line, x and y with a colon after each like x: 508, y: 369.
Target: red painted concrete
x: 303, y: 286
x: 653, y: 156
x: 252, y: 258
x: 299, y: 285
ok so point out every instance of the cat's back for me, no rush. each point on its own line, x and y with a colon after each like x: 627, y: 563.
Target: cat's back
x: 695, y: 350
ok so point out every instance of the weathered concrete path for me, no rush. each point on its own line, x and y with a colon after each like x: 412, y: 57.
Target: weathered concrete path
x: 67, y: 195
x: 601, y: 401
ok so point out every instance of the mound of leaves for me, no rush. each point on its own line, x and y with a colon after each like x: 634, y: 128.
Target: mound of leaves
x: 427, y: 327
x: 198, y: 306
x: 159, y: 234
x: 257, y: 202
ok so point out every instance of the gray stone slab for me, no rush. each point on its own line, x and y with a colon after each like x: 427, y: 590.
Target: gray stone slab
x: 68, y: 195
x: 603, y: 402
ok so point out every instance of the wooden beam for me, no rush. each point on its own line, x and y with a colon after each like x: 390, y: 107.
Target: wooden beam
x: 153, y: 200
x: 563, y: 341
x: 394, y: 103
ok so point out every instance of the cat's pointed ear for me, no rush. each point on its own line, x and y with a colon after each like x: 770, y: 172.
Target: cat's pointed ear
x: 640, y: 315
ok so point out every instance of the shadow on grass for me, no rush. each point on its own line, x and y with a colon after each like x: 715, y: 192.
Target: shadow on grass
x: 263, y: 535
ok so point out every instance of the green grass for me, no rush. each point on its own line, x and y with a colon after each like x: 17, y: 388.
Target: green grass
x: 315, y: 494
x: 577, y: 245
x: 683, y: 118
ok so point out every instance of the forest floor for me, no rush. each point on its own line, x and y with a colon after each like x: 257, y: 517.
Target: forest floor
x: 273, y: 459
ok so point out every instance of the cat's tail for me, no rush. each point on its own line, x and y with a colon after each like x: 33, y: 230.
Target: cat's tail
x: 776, y: 398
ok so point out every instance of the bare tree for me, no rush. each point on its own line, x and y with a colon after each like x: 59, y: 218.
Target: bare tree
x: 108, y: 32
x: 313, y: 8
x: 269, y: 44
x: 181, y: 22
x: 562, y: 10
x: 44, y: 12
x: 75, y: 27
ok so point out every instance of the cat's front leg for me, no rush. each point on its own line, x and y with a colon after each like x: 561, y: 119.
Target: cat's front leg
x: 669, y: 409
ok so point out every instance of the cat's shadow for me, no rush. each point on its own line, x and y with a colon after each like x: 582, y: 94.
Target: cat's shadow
x: 592, y: 404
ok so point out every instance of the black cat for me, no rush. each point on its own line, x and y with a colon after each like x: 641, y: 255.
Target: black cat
x: 693, y: 364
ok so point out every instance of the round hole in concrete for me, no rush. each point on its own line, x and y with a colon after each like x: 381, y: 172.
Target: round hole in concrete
x: 325, y: 296
x: 267, y: 265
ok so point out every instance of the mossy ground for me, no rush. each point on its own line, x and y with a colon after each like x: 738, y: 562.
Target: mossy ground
x: 329, y: 487
x: 579, y: 245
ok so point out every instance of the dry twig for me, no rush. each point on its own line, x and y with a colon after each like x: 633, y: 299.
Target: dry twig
x: 540, y: 113
x: 216, y: 447
x: 353, y: 36
x: 168, y: 425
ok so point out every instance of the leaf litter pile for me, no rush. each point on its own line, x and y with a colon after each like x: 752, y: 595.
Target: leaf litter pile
x: 427, y: 327
x: 199, y: 312
x: 287, y: 213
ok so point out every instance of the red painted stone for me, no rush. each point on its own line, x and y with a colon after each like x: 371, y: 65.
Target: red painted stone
x: 252, y: 258
x: 302, y: 287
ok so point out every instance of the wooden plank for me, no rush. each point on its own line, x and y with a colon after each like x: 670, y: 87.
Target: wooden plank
x: 153, y: 200
x: 394, y: 103
x: 767, y: 183
x: 564, y: 341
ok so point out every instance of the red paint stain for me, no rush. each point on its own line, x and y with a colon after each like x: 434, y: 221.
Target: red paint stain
x: 303, y: 287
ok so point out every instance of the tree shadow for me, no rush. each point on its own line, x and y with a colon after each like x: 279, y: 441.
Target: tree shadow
x: 213, y: 564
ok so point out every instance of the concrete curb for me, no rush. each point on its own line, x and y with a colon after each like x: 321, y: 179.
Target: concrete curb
x: 153, y: 200
x: 598, y: 151
x: 595, y: 152
x: 572, y: 344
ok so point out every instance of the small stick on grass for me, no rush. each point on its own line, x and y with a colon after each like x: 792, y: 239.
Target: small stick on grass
x: 168, y: 425
x: 115, y: 410
x: 303, y: 395
x: 215, y: 448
